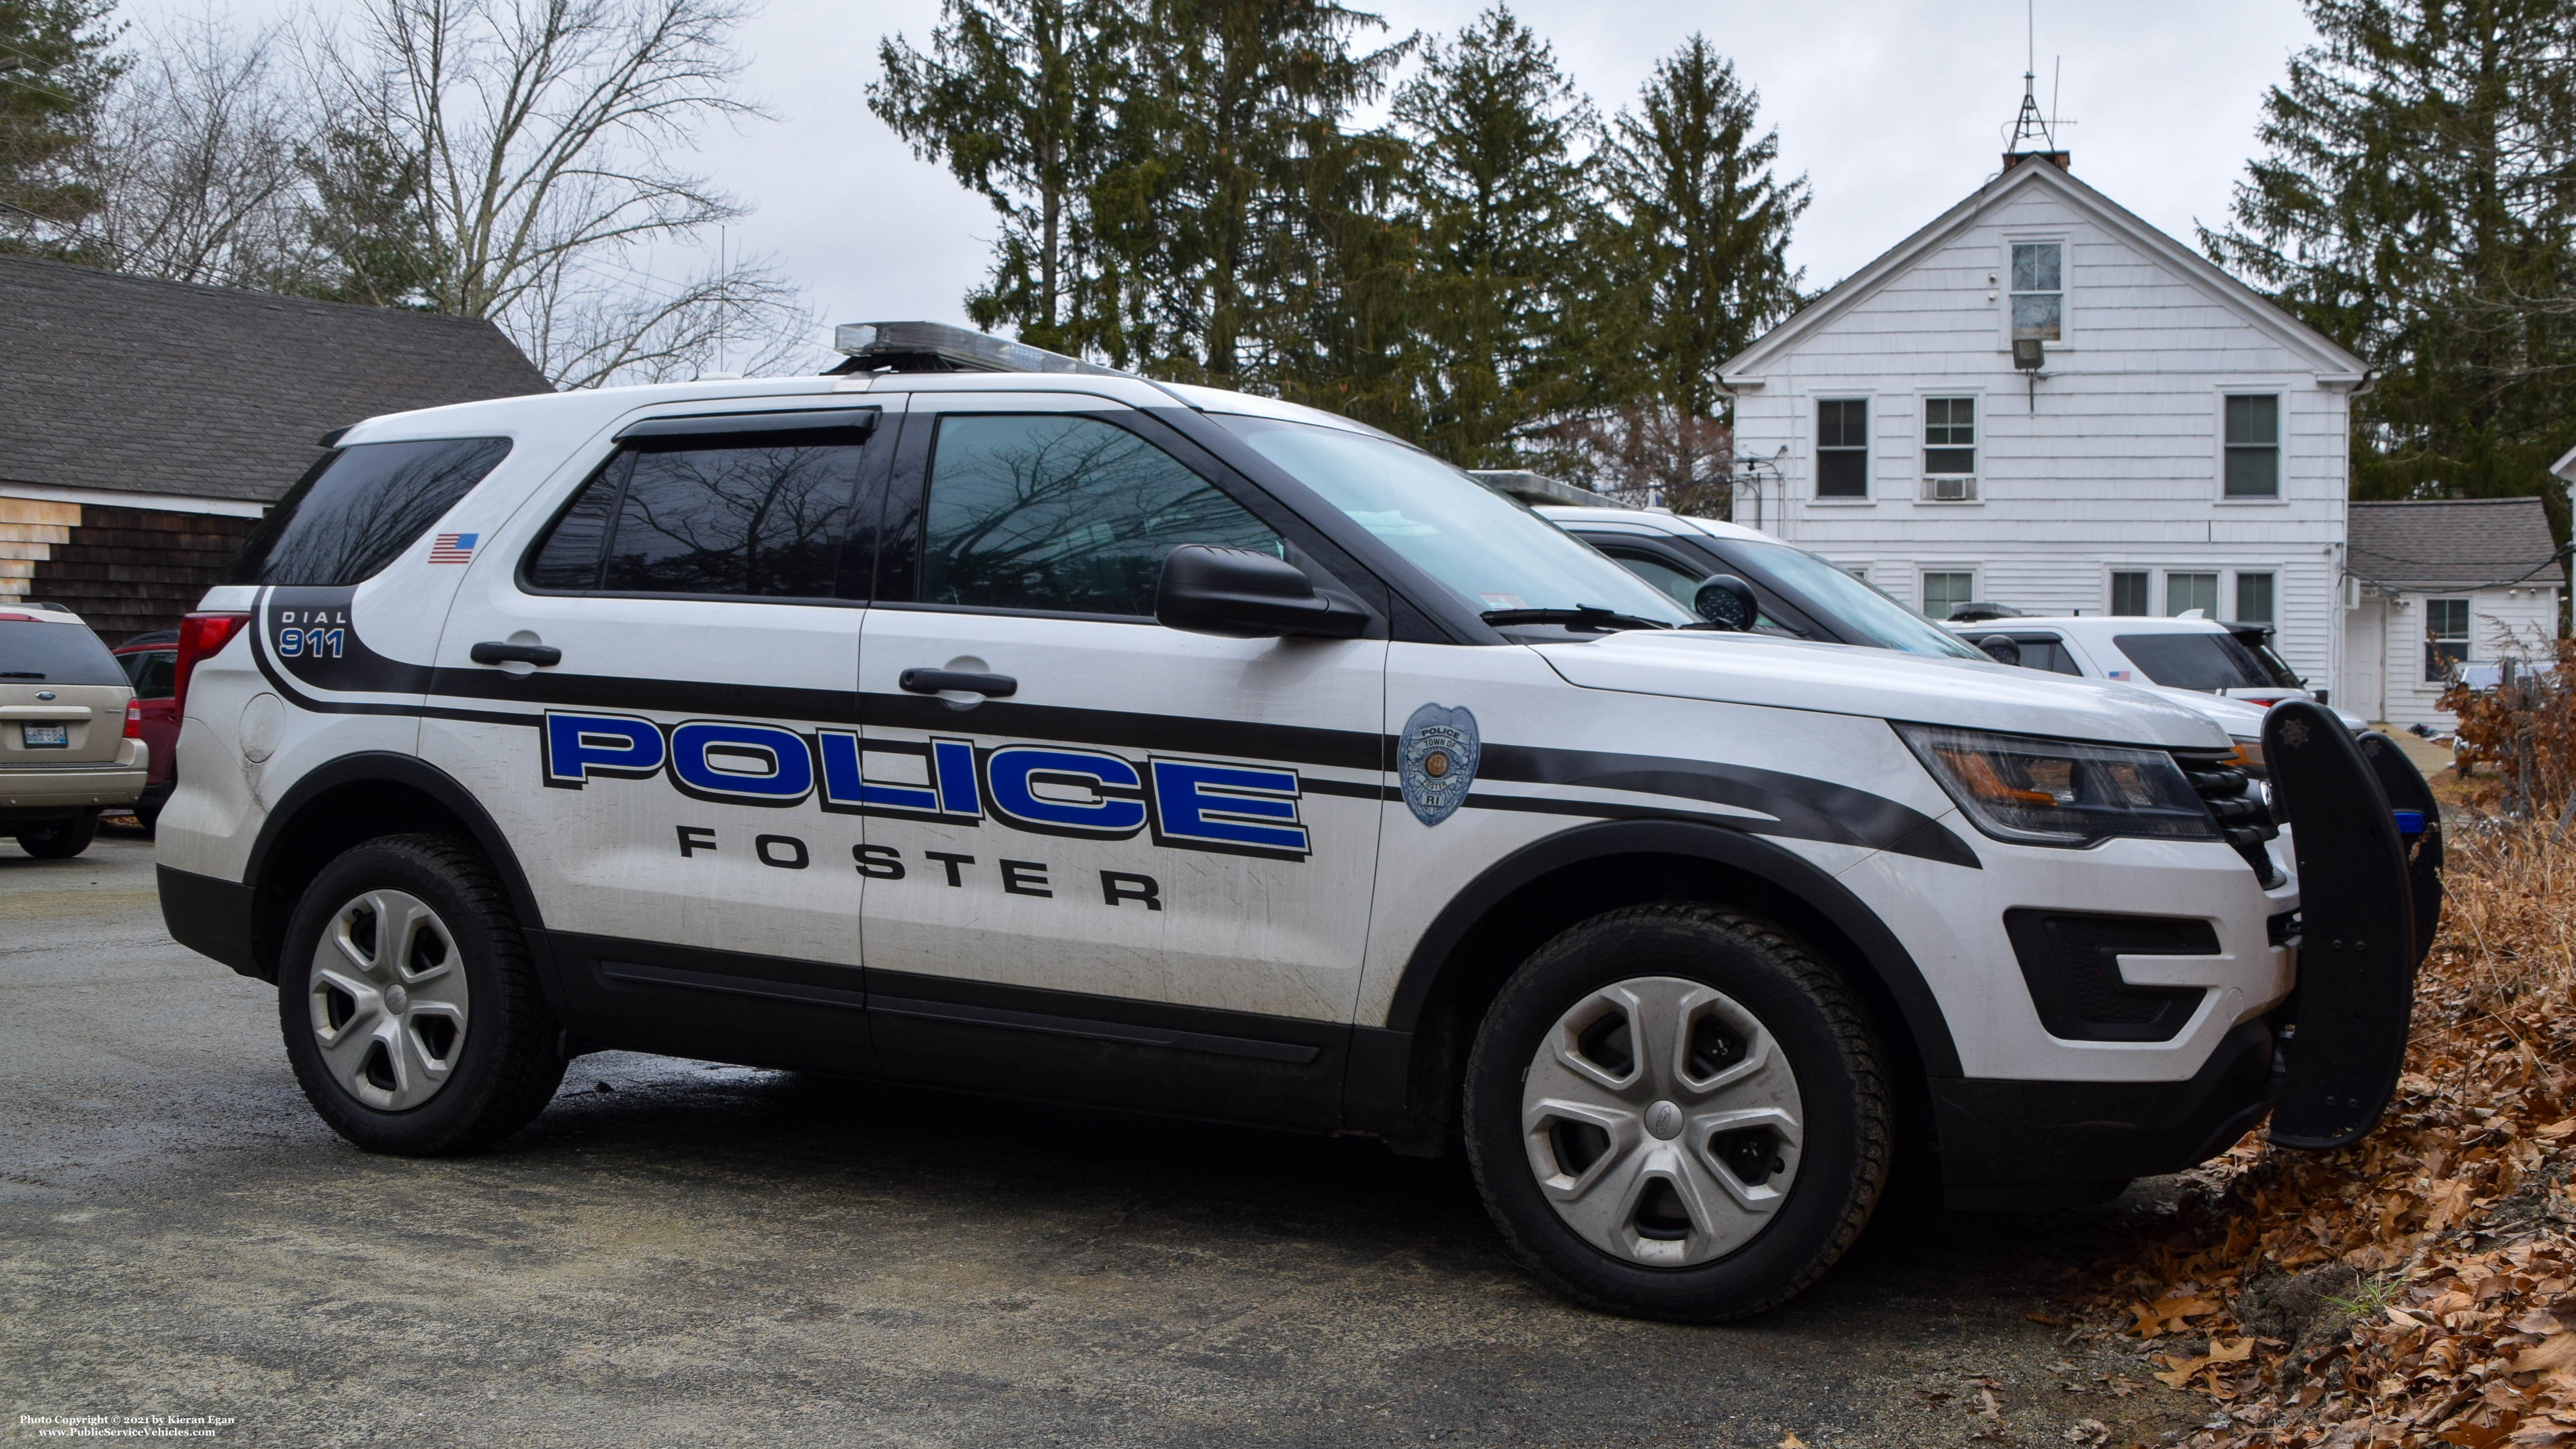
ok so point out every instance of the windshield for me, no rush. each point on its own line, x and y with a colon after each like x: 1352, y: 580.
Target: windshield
x: 1493, y: 552
x: 2209, y: 662
x: 1857, y: 605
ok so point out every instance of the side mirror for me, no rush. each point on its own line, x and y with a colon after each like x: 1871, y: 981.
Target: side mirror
x: 1240, y: 593
x: 1727, y: 602
x: 2001, y: 649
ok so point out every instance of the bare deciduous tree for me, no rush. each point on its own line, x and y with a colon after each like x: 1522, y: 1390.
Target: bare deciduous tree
x: 195, y: 161
x: 543, y: 133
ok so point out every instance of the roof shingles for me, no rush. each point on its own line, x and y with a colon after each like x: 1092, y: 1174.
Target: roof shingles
x: 2452, y: 543
x: 133, y: 385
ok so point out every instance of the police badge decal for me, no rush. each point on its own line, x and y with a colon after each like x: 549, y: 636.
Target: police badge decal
x: 1435, y: 760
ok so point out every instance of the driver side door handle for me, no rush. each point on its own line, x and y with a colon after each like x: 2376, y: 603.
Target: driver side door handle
x: 938, y: 681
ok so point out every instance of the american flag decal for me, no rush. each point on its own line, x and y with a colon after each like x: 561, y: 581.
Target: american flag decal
x: 452, y: 548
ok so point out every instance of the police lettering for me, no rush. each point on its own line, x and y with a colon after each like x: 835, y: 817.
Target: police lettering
x: 1034, y: 788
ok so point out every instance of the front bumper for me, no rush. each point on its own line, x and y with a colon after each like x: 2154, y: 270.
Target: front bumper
x: 2008, y: 1144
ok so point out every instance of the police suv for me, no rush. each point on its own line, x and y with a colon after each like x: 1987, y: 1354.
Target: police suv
x: 977, y: 717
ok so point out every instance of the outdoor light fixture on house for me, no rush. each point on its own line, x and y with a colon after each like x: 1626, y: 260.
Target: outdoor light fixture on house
x: 2030, y: 354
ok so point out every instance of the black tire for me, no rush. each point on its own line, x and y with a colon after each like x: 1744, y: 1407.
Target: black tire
x: 60, y: 839
x: 1833, y: 1054
x: 506, y: 1066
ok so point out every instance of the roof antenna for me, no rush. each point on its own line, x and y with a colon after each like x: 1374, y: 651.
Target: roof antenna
x: 2032, y: 133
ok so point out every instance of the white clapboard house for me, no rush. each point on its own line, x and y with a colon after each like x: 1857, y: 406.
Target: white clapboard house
x: 2180, y: 444
x: 2438, y: 585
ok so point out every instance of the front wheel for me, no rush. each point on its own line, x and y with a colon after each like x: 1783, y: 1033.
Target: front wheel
x: 1677, y: 1111
x: 410, y: 1009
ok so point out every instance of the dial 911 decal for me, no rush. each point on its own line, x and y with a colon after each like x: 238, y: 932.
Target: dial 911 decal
x: 1040, y: 789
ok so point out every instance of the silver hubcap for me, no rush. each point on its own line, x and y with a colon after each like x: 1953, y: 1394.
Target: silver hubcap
x: 1662, y: 1122
x: 388, y: 1000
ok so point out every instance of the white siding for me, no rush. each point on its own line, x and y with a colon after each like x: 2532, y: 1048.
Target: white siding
x: 2503, y: 623
x: 2112, y: 462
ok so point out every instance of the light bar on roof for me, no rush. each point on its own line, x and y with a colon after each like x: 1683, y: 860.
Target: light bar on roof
x: 897, y: 343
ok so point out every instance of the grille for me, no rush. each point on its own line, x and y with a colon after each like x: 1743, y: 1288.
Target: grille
x: 2238, y: 804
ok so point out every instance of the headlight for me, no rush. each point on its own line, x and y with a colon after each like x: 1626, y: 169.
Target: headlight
x: 2061, y: 792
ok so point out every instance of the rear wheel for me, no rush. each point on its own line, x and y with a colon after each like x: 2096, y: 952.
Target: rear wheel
x: 410, y: 1009
x: 1679, y: 1112
x: 60, y: 839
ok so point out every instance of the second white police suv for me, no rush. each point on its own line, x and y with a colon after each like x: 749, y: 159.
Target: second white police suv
x: 976, y: 717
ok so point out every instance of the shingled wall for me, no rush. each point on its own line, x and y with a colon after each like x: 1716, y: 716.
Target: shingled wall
x: 126, y: 571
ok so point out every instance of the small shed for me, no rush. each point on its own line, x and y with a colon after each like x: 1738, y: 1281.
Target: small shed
x: 146, y: 425
x: 2437, y: 584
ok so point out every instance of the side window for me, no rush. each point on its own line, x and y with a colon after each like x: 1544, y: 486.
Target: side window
x: 359, y: 508
x: 2254, y: 598
x: 2186, y: 592
x: 1943, y: 592
x: 2129, y: 593
x: 1949, y: 436
x: 1067, y: 514
x: 1842, y: 448
x: 2446, y: 638
x: 760, y: 517
x: 2253, y: 446
x: 2048, y: 654
x: 2038, y: 290
x: 1682, y: 584
x: 151, y: 672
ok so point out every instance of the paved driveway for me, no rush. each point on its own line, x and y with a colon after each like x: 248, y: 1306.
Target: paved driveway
x: 680, y: 1253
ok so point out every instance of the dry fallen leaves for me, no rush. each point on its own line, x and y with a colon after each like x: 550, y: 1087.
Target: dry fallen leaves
x: 2457, y: 1324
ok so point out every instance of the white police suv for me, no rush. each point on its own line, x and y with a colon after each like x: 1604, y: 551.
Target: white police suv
x: 975, y: 717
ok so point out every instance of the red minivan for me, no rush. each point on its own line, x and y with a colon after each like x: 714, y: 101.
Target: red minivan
x: 151, y: 660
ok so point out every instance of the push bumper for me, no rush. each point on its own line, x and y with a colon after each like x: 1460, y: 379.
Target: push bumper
x: 2368, y: 898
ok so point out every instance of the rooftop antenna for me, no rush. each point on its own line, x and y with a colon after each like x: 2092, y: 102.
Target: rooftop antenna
x: 2033, y: 133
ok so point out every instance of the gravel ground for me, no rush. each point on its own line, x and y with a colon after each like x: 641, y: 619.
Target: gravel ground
x: 680, y: 1253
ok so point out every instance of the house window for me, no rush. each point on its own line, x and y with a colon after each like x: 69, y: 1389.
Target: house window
x: 2446, y: 638
x: 2038, y: 290
x: 1949, y: 436
x: 1943, y: 592
x: 2129, y: 594
x: 2186, y: 592
x: 2254, y: 598
x: 2254, y: 447
x: 1842, y: 448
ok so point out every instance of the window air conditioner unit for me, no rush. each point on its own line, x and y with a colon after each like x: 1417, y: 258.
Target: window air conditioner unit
x: 1950, y: 490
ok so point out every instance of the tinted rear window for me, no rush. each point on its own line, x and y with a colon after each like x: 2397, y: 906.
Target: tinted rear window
x: 54, y: 654
x: 2209, y: 662
x: 359, y: 508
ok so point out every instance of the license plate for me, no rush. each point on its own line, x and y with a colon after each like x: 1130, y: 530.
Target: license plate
x: 47, y: 737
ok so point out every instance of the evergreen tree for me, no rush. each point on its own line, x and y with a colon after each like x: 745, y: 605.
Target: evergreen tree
x: 1230, y: 142
x: 1014, y: 96
x: 2417, y: 203
x: 1499, y: 193
x: 1699, y: 231
x: 1693, y: 245
x: 367, y: 223
x: 55, y: 69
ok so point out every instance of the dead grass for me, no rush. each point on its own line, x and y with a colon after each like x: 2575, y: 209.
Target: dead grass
x: 2448, y: 1236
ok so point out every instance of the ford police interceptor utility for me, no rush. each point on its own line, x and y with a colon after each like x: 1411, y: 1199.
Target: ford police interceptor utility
x: 976, y: 717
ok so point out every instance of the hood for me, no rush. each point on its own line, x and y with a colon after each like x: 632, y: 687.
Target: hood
x: 1879, y: 683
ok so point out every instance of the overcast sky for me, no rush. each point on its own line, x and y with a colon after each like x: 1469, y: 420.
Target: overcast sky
x: 1893, y: 110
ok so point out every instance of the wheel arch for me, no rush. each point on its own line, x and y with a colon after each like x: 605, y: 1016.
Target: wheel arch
x: 1405, y: 1074
x: 356, y: 798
